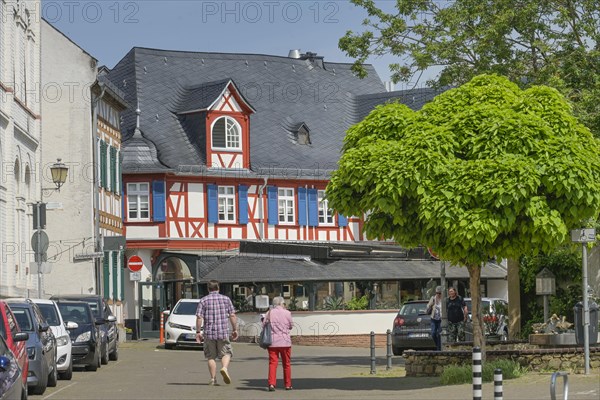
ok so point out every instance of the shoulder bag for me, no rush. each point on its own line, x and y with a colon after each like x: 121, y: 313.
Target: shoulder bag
x: 265, y: 339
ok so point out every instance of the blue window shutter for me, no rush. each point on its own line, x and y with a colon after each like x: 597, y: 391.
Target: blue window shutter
x: 213, y: 203
x: 302, y: 206
x: 115, y: 276
x: 313, y: 207
x: 106, y: 274
x: 342, y: 221
x: 158, y: 201
x: 273, y: 206
x: 243, y: 204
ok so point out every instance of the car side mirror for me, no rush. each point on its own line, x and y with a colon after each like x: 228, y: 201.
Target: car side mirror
x: 111, y: 318
x: 100, y: 321
x: 71, y: 325
x: 43, y: 327
x: 21, y: 337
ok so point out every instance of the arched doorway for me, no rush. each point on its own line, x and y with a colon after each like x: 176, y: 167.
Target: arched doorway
x: 172, y: 280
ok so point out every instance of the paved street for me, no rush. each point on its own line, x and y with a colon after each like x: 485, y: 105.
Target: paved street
x: 146, y: 371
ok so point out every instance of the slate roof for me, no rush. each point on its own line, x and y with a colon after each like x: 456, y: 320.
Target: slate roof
x: 267, y: 268
x: 284, y: 91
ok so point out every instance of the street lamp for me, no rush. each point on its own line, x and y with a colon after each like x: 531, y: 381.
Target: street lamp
x: 40, y: 239
x: 59, y: 172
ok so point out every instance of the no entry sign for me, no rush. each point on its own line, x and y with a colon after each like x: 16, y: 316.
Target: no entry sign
x: 135, y: 263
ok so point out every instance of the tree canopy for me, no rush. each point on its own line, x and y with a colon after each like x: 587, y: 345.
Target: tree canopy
x: 484, y: 170
x: 532, y: 42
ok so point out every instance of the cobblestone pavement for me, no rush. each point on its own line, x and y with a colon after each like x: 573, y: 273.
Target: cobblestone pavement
x: 146, y: 371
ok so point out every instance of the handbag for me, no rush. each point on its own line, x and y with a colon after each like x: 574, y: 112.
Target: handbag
x: 265, y: 339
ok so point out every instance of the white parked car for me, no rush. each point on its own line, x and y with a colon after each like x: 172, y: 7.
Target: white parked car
x: 180, y: 328
x: 54, y: 318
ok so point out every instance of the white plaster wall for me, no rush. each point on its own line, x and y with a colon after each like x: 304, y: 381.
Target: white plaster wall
x: 145, y: 232
x: 67, y: 74
x: 497, y: 288
x: 131, y: 302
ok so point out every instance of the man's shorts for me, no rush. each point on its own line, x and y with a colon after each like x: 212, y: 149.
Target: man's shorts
x: 216, y: 349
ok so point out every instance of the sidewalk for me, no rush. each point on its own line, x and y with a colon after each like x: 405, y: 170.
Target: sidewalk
x: 344, y: 373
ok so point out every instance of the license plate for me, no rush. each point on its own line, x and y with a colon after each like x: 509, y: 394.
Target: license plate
x: 190, y: 336
x: 418, y: 335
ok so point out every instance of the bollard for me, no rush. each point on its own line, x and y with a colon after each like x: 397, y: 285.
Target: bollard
x: 389, y: 350
x: 162, y: 327
x: 498, y: 384
x: 476, y: 373
x: 373, y: 352
x: 565, y: 385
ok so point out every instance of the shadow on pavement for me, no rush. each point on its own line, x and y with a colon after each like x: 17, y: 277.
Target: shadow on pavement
x: 345, y: 384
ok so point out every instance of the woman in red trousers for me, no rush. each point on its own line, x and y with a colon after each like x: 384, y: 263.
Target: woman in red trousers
x: 281, y: 324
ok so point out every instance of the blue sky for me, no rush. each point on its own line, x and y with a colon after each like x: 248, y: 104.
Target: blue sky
x: 108, y: 29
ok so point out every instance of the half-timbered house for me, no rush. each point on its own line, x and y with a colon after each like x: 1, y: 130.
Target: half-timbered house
x: 229, y: 149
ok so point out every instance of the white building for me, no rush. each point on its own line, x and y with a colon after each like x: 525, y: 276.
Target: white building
x: 20, y: 137
x: 81, y: 127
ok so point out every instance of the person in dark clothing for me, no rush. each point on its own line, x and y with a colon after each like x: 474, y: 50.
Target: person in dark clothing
x: 457, y: 313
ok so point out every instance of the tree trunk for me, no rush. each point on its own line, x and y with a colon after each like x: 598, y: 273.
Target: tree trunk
x: 514, y: 299
x: 474, y: 286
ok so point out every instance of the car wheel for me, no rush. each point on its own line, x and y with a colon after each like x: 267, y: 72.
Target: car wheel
x: 68, y: 374
x: 169, y: 346
x: 95, y: 365
x: 397, y: 350
x: 40, y: 388
x: 114, y: 356
x: 104, y: 359
x: 53, y: 377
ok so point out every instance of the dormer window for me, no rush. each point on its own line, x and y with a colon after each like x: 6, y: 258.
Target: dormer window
x: 303, y: 135
x: 226, y: 134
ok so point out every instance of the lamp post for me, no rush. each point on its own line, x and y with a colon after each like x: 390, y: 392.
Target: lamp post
x: 40, y: 243
x: 585, y: 236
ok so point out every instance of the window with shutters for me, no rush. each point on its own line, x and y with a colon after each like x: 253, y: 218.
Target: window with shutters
x: 138, y: 207
x: 103, y: 176
x: 226, y: 134
x: 325, y: 213
x: 226, y: 204
x: 286, y: 205
x: 113, y: 169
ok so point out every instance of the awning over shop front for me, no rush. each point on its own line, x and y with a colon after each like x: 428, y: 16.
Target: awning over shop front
x: 267, y: 268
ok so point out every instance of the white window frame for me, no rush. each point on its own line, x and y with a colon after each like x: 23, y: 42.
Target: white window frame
x: 230, y: 137
x: 286, y: 206
x: 325, y: 213
x: 135, y: 195
x: 226, y: 204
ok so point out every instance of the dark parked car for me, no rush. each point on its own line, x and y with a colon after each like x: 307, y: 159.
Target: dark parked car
x: 11, y: 375
x: 109, y: 332
x: 41, y: 345
x: 15, y: 339
x: 412, y: 328
x: 84, y: 331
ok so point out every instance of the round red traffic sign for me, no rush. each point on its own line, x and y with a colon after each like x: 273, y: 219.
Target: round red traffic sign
x: 135, y: 263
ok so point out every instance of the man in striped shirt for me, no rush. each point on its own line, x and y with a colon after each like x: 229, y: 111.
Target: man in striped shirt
x: 214, y: 312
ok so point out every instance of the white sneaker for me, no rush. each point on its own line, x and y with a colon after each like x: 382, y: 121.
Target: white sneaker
x: 213, y: 382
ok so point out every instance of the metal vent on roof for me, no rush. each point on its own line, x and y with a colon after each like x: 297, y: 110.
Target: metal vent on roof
x: 294, y: 68
x: 265, y: 64
x: 165, y: 60
x: 145, y: 70
x: 246, y: 62
x: 124, y: 82
x: 202, y: 61
x: 156, y: 116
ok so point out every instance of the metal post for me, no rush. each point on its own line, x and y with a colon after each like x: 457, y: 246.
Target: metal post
x: 373, y: 353
x: 389, y: 350
x: 586, y: 314
x: 476, y: 373
x: 444, y: 333
x: 498, y: 384
x: 565, y: 385
x: 546, y: 308
x: 39, y: 257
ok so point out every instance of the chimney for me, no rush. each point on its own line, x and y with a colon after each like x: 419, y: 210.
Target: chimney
x: 313, y: 58
x: 294, y: 53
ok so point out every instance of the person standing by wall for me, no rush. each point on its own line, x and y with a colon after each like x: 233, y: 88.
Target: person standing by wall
x: 434, y: 309
x: 281, y: 325
x: 457, y: 313
x: 214, y: 312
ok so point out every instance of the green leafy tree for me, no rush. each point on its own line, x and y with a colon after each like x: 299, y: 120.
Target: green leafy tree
x: 483, y: 170
x: 532, y: 42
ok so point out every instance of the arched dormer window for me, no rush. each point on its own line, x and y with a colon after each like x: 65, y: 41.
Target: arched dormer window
x: 226, y: 134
